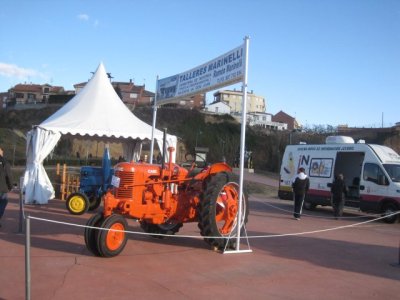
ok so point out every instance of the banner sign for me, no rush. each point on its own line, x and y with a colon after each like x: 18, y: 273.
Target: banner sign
x: 225, y: 70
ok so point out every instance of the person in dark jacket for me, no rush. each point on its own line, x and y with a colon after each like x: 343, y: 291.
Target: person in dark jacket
x: 338, y: 190
x: 5, y: 183
x: 300, y: 185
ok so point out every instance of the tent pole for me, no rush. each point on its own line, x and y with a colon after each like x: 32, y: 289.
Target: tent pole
x: 154, y: 123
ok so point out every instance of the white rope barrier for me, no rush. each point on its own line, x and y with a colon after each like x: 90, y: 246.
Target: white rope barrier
x: 218, y: 237
x: 313, y: 216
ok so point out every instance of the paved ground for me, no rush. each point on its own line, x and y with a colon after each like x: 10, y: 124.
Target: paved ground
x: 357, y: 262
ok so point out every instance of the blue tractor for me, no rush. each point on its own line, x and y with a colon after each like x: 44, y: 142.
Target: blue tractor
x: 93, y: 184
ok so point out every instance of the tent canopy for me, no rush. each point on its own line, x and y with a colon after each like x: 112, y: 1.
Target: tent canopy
x: 96, y: 111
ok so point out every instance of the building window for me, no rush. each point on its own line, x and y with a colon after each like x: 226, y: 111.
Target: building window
x: 46, y: 90
x: 133, y: 95
x: 19, y: 95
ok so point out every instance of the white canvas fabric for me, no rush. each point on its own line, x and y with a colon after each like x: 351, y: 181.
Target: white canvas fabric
x: 96, y: 111
x: 37, y: 185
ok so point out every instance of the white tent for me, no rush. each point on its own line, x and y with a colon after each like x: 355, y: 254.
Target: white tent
x: 96, y: 111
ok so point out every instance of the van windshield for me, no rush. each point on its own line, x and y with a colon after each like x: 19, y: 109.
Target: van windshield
x: 393, y: 171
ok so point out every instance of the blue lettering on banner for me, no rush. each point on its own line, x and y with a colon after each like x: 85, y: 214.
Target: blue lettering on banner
x: 193, y: 74
x: 234, y: 66
x: 231, y: 57
x: 219, y: 72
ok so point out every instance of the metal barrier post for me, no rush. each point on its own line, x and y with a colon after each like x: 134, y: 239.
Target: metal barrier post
x: 21, y: 211
x: 27, y: 258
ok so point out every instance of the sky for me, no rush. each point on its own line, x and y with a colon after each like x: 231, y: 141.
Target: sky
x: 324, y: 62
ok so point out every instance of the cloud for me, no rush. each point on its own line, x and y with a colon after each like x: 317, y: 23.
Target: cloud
x: 9, y: 70
x: 83, y: 17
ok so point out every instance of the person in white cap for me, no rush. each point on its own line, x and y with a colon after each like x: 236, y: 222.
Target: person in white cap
x: 300, y: 185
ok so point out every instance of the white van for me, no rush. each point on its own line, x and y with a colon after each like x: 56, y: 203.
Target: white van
x: 371, y: 173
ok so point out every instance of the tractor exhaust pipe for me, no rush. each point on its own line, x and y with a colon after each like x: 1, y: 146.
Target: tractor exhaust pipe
x: 164, y: 148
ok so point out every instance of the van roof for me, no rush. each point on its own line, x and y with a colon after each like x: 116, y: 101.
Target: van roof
x: 386, y: 154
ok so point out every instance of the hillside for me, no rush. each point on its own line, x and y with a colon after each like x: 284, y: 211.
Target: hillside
x: 221, y: 134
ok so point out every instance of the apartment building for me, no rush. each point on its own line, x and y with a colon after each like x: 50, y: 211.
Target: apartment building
x: 234, y: 98
x: 32, y: 93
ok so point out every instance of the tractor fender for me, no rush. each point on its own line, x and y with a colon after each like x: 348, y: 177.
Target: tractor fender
x: 213, y: 169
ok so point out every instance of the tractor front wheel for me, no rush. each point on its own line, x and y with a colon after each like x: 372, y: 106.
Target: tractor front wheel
x: 77, y: 203
x: 90, y: 233
x: 111, y: 242
x: 219, y: 210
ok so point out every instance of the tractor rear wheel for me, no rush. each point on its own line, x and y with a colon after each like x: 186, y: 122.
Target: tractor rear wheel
x: 219, y: 210
x: 111, y: 242
x: 90, y: 233
x: 94, y: 202
x: 77, y: 203
x: 168, y: 227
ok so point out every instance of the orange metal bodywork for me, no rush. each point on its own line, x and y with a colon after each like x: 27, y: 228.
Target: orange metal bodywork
x: 155, y: 194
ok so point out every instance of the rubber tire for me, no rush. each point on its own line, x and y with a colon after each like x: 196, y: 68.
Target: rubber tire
x: 103, y: 236
x: 388, y: 209
x: 77, y: 203
x: 90, y: 233
x: 309, y: 206
x: 165, y: 228
x: 207, y: 210
x: 94, y: 202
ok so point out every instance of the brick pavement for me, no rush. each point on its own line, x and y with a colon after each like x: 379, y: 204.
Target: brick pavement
x: 350, y: 263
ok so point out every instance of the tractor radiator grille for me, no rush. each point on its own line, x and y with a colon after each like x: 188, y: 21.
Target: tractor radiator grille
x: 127, y: 180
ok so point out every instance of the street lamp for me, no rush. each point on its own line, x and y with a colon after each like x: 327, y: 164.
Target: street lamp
x: 290, y: 135
x: 223, y: 150
x: 199, y: 132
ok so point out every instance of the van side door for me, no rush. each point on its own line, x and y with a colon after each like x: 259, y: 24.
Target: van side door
x: 374, y: 186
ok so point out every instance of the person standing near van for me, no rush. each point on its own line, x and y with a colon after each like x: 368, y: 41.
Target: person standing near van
x: 338, y: 190
x: 300, y: 185
x: 5, y: 183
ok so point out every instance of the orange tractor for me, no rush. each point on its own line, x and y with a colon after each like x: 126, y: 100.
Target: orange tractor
x: 162, y: 198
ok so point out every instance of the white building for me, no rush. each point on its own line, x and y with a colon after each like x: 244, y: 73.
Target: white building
x: 261, y: 120
x: 220, y: 108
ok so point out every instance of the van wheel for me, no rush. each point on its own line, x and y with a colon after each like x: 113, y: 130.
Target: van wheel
x: 389, y: 209
x: 309, y: 205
